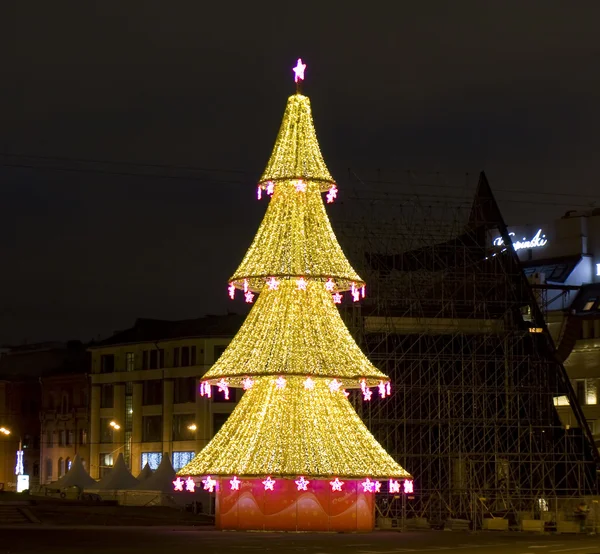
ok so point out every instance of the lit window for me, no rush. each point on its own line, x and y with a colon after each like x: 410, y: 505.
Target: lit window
x: 181, y: 459
x: 561, y: 401
x: 591, y: 396
x: 536, y: 330
x: 153, y: 459
x: 130, y: 361
x: 589, y: 304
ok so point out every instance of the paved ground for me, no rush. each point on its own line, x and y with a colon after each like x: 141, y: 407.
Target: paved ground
x: 133, y: 540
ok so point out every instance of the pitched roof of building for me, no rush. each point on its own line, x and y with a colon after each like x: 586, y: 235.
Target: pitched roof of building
x: 151, y: 330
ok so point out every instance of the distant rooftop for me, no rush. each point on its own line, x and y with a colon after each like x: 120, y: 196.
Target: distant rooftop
x: 152, y: 330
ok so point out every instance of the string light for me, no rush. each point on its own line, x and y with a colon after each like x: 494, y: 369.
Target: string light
x: 224, y: 388
x: 336, y: 485
x: 381, y: 388
x: 291, y: 432
x: 178, y: 484
x: 259, y: 192
x: 231, y: 291
x: 363, y: 290
x: 205, y: 390
x: 388, y: 388
x: 377, y: 486
x: 302, y: 484
x: 190, y: 485
x: 235, y: 484
x: 408, y: 487
x: 249, y: 297
x: 270, y: 188
x: 209, y: 484
x: 332, y: 194
x: 245, y: 285
x: 355, y: 295
x: 367, y: 393
x: 394, y: 486
x: 269, y: 484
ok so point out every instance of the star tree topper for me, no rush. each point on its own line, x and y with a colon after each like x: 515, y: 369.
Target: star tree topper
x: 299, y: 71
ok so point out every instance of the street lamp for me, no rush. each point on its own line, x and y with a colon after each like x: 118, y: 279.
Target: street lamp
x: 192, y: 427
x: 115, y: 425
x: 5, y: 431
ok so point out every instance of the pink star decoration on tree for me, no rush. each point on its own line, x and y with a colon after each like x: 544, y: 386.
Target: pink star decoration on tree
x: 231, y: 290
x: 269, y: 484
x: 209, y: 483
x: 300, y: 186
x: 367, y: 393
x: 337, y: 298
x: 309, y: 384
x: 299, y: 71
x: 329, y: 285
x: 367, y: 485
x: 249, y: 297
x: 205, y: 390
x: 377, y: 486
x: 270, y: 188
x: 273, y: 283
x: 178, y: 484
x: 302, y: 484
x: 280, y: 382
x: 334, y: 386
x: 336, y: 485
x: 224, y: 388
x: 259, y: 192
x: 332, y: 194
x: 235, y: 484
x: 247, y: 383
x: 394, y: 486
x: 190, y: 485
x: 408, y: 486
x: 301, y: 283
x: 382, y: 389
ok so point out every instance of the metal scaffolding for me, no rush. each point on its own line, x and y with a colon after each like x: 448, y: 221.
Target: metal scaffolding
x: 451, y: 318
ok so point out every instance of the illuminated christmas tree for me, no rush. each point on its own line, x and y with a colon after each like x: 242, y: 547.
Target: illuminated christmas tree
x: 294, y: 441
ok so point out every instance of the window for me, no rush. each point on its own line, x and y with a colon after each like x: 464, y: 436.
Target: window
x: 184, y: 390
x: 64, y: 403
x: 49, y: 439
x: 157, y: 358
x: 153, y: 459
x: 106, y: 396
x: 68, y: 464
x: 48, y: 470
x: 218, y: 421
x: 82, y: 437
x: 192, y: 355
x: 185, y: 356
x: 152, y: 428
x: 105, y: 463
x: 580, y: 390
x: 61, y: 467
x: 106, y: 431
x: 561, y: 400
x: 62, y: 437
x: 70, y: 438
x: 152, y: 392
x: 176, y: 356
x: 181, y: 459
x: 107, y: 363
x: 36, y: 469
x: 218, y: 350
x: 181, y: 422
x: 591, y: 396
x: 589, y: 304
x: 145, y: 359
x: 129, y: 361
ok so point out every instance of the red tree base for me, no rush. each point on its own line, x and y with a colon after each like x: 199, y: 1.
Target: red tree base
x: 287, y: 509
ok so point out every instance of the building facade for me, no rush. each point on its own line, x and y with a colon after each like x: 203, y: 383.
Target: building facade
x: 145, y: 399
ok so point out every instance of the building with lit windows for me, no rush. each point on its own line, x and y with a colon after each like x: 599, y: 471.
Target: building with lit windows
x: 562, y: 263
x: 145, y: 397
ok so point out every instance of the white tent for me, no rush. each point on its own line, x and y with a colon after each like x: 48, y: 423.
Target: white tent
x: 162, y: 479
x: 119, y: 478
x: 145, y: 473
x: 77, y: 476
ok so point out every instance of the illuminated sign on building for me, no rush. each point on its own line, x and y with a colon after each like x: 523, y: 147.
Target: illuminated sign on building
x: 598, y: 269
x: 22, y: 483
x: 537, y: 241
x: 19, y: 467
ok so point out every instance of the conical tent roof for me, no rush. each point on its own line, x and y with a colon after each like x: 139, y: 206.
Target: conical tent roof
x: 77, y: 476
x: 145, y: 473
x: 162, y: 479
x: 119, y: 477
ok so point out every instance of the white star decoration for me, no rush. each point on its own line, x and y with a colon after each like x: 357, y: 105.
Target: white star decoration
x: 224, y: 388
x: 190, y: 485
x: 235, y: 484
x: 302, y: 484
x: 269, y: 484
x: 247, y: 383
x: 334, y: 385
x: 280, y: 382
x: 337, y: 298
x: 336, y: 485
x: 273, y: 283
x: 408, y: 486
x: 394, y: 486
x: 299, y: 71
x: 367, y: 393
x: 178, y: 484
x: 301, y: 283
x: 209, y: 484
x: 332, y: 194
x: 249, y: 297
x: 329, y: 285
x: 309, y: 384
x: 367, y: 485
x: 300, y: 186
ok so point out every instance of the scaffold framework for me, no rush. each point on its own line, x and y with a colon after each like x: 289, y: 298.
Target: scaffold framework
x: 452, y: 319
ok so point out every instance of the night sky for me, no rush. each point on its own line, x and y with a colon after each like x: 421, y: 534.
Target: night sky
x: 157, y: 87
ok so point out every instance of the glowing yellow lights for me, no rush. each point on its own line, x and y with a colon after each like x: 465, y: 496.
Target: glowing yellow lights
x: 192, y: 427
x: 114, y: 425
x: 308, y: 247
x: 292, y: 431
x: 296, y: 155
x: 294, y: 332
x: 4, y: 431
